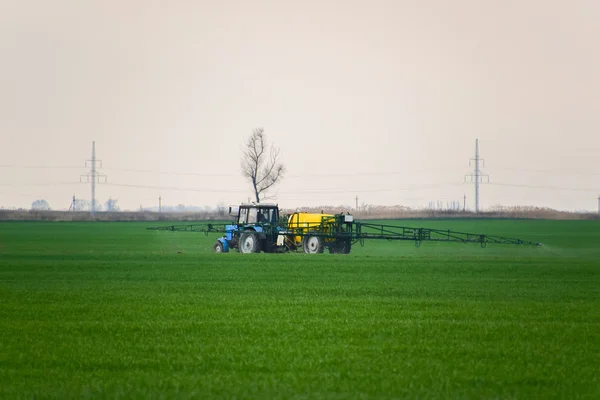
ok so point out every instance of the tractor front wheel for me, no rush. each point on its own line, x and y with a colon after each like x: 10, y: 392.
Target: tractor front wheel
x: 218, y: 247
x: 312, y: 244
x: 249, y: 243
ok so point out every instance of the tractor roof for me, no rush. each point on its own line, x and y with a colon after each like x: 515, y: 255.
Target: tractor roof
x: 259, y: 205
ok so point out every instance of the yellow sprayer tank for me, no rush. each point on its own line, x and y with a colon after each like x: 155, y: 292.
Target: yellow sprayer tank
x: 305, y: 222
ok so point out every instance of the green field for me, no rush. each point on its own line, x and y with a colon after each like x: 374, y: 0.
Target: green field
x: 112, y: 310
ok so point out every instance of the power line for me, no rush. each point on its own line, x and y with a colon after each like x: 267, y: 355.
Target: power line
x: 21, y: 194
x: 549, y: 171
x: 147, y: 171
x: 354, y: 174
x: 297, y: 176
x: 419, y: 187
x: 341, y: 190
x: 37, y: 184
x: 389, y: 173
x: 561, y: 171
x: 175, y: 188
x: 40, y: 166
x: 309, y: 191
x: 284, y: 193
x: 202, y: 174
x: 545, y: 187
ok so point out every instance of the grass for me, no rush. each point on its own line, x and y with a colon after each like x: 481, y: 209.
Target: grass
x: 111, y: 310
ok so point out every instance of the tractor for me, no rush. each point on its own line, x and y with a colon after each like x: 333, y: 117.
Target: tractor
x: 259, y: 227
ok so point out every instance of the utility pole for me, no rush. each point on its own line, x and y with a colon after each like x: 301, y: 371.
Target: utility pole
x: 477, y: 176
x: 72, y: 206
x: 93, y: 177
x: 93, y: 199
x: 356, y: 202
x: 464, y: 202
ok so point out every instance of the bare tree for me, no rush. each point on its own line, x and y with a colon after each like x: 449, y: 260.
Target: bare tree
x: 261, y: 165
x: 40, y: 205
x: 111, y: 205
x: 221, y: 209
x: 82, y: 205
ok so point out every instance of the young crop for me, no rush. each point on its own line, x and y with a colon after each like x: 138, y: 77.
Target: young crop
x: 112, y: 310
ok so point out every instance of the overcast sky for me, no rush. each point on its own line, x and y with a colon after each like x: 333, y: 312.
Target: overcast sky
x: 377, y: 99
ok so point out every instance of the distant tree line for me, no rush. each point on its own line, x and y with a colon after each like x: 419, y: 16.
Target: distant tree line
x: 78, y: 205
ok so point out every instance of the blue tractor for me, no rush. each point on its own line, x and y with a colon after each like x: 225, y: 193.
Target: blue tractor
x: 256, y: 229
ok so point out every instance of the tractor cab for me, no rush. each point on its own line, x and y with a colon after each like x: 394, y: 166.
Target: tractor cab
x: 262, y: 213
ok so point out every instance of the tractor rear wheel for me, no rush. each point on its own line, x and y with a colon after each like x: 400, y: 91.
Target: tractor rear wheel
x: 312, y: 244
x: 249, y: 243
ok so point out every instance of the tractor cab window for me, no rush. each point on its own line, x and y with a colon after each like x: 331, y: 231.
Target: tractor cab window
x: 243, y: 216
x: 258, y: 215
x: 247, y: 216
x: 252, y: 216
x: 268, y: 215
